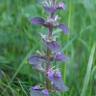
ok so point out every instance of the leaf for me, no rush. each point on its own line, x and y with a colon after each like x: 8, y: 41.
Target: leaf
x: 88, y: 72
x: 1, y: 74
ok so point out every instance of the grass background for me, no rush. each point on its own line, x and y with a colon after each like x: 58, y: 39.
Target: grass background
x: 19, y: 39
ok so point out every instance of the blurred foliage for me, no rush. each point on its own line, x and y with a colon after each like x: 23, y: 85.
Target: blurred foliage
x: 19, y: 39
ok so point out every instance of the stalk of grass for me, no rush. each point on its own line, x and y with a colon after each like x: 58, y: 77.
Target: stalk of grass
x: 22, y: 88
x: 88, y: 72
x: 7, y: 87
x: 68, y: 37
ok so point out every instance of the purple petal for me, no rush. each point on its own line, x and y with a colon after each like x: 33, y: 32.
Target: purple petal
x: 37, y: 91
x: 37, y: 87
x: 54, y: 8
x: 63, y: 28
x: 56, y: 79
x: 50, y: 9
x: 60, y: 57
x: 45, y: 92
x: 54, y: 74
x: 61, y: 6
x: 57, y: 75
x: 53, y: 46
x: 50, y: 74
x: 35, y: 59
x: 38, y: 21
x: 37, y: 62
x: 59, y: 85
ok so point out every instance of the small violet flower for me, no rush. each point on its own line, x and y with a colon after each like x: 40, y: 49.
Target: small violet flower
x: 45, y: 92
x: 54, y: 7
x: 56, y: 80
x: 49, y: 23
x: 53, y: 46
x: 38, y: 91
x: 61, y: 57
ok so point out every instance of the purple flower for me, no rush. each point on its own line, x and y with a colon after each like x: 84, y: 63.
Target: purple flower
x: 63, y: 28
x: 59, y: 85
x: 38, y: 91
x: 60, y: 57
x: 49, y: 23
x: 61, y: 6
x: 54, y: 74
x: 38, y: 21
x: 50, y: 74
x: 45, y: 92
x: 53, y: 46
x: 36, y: 59
x: 54, y: 7
x: 37, y: 62
x: 37, y: 87
x: 56, y: 79
x: 50, y: 9
x: 57, y: 74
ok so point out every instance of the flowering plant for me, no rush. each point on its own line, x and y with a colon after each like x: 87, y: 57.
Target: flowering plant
x: 52, y: 52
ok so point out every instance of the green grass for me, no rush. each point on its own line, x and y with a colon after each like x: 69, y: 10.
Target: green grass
x: 19, y: 39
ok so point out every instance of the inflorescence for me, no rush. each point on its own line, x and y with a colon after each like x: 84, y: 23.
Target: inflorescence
x: 43, y: 62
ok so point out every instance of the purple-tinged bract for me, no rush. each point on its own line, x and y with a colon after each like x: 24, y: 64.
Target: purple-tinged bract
x: 56, y: 80
x: 45, y: 92
x: 38, y: 21
x: 36, y: 59
x: 53, y: 46
x: 61, y: 6
x: 37, y: 87
x: 54, y: 8
x: 60, y: 57
x: 63, y: 28
x: 50, y: 9
x: 37, y: 62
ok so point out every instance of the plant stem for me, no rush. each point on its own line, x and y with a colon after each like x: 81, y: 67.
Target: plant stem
x: 48, y: 83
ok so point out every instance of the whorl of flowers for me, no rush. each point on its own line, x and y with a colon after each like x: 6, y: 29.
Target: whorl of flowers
x: 43, y: 62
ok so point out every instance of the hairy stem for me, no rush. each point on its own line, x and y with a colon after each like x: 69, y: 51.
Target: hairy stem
x: 48, y: 83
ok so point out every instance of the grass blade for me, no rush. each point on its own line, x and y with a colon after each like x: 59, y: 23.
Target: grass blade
x: 88, y: 72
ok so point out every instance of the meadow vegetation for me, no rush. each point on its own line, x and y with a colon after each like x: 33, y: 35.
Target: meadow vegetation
x: 19, y: 39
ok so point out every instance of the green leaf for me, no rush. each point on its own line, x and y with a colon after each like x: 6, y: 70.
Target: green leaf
x: 88, y: 72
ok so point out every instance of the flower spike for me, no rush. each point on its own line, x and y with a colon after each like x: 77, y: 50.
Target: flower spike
x: 42, y: 61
